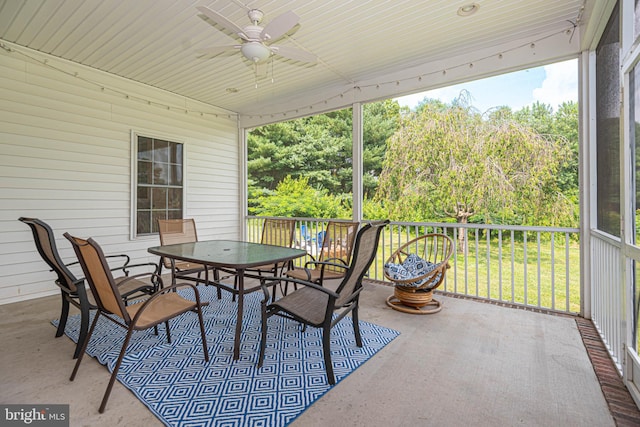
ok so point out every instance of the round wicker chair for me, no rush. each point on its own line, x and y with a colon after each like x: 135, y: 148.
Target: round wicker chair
x: 417, y: 268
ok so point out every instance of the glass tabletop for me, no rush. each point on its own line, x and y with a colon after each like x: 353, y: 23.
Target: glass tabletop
x: 228, y: 253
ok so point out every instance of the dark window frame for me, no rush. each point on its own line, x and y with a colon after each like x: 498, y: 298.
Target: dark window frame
x: 158, y: 182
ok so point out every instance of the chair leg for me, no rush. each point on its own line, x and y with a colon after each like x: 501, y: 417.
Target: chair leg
x: 326, y: 349
x: 115, y: 370
x: 166, y: 327
x: 235, y: 287
x: 64, y: 313
x: 216, y: 278
x: 356, y: 325
x: 263, y: 339
x: 84, y: 326
x: 205, y: 347
x: 84, y: 347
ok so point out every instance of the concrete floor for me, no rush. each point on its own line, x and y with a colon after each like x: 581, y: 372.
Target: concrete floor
x: 472, y: 364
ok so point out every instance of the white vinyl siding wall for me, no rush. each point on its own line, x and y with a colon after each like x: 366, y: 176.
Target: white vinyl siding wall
x: 65, y: 157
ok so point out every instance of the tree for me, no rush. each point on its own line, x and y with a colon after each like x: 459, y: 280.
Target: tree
x: 319, y: 148
x: 315, y: 147
x: 296, y: 198
x: 380, y: 122
x: 450, y: 163
x: 566, y: 125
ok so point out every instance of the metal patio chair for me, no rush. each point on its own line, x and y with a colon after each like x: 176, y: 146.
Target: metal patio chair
x: 277, y: 232
x: 334, y: 254
x: 160, y: 307
x: 72, y: 289
x: 320, y: 307
x: 173, y: 231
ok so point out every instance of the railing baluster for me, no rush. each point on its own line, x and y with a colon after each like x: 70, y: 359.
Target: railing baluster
x: 477, y: 271
x: 455, y: 260
x: 539, y: 276
x: 445, y: 231
x: 500, y: 265
x: 526, y: 262
x: 488, y: 263
x: 513, y: 267
x: 566, y: 268
x: 465, y: 249
x: 553, y: 270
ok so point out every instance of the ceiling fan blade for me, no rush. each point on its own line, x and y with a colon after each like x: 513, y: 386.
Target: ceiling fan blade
x: 295, y: 54
x: 216, y: 50
x: 279, y: 26
x: 222, y: 21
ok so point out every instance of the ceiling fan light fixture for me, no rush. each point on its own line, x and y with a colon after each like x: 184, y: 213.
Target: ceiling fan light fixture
x: 468, y: 9
x: 255, y: 51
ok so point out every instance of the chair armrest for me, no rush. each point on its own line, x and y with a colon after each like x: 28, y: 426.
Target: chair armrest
x: 323, y: 264
x: 125, y: 268
x: 156, y: 282
x: 265, y: 285
x: 126, y: 257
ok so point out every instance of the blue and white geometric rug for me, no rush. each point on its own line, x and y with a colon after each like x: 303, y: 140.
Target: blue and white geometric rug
x: 181, y: 389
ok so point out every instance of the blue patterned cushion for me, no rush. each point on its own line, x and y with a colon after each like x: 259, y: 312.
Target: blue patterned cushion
x: 413, y: 266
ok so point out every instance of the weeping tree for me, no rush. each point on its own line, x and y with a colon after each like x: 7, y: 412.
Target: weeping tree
x: 447, y: 162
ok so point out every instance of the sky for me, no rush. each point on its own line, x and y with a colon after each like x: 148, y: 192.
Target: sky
x: 552, y: 84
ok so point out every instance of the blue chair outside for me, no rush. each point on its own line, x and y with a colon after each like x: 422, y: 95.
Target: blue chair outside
x: 305, y: 235
x: 320, y: 238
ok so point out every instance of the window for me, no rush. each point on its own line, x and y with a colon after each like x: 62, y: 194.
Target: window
x: 608, y: 127
x: 636, y: 20
x: 159, y: 182
x: 634, y: 133
x: 634, y: 145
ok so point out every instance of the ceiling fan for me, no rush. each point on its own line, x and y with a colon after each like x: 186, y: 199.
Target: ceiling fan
x: 256, y: 40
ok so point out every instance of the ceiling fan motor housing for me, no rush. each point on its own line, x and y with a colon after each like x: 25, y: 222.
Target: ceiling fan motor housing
x: 255, y: 16
x: 253, y: 32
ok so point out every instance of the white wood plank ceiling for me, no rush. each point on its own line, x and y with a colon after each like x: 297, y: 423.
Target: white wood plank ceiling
x: 357, y: 42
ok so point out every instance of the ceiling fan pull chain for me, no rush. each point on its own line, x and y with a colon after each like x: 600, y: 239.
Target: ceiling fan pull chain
x: 255, y: 73
x: 272, y: 79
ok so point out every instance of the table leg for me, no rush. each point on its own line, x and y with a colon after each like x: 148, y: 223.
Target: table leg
x: 236, y: 343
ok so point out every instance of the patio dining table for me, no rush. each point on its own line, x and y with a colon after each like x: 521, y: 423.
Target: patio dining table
x: 229, y: 255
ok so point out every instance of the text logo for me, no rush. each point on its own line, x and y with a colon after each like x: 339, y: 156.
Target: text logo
x: 34, y: 415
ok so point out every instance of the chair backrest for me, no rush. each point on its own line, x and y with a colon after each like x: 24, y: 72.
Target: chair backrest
x: 435, y: 248
x: 278, y: 232
x: 97, y: 272
x: 174, y: 231
x: 337, y: 242
x: 46, y: 244
x: 364, y: 253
